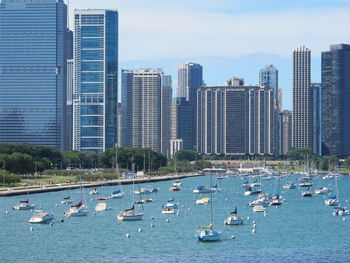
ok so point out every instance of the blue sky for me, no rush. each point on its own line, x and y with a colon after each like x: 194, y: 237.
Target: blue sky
x: 228, y: 37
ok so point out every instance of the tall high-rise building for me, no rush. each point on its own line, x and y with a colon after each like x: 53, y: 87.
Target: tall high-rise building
x: 181, y: 122
x: 95, y: 93
x: 69, y: 106
x: 190, y: 78
x: 166, y: 96
x: 336, y: 100
x: 235, y: 120
x: 316, y: 93
x: 141, y: 108
x: 268, y: 77
x: 33, y: 67
x: 285, y: 131
x: 119, y: 118
x: 280, y: 98
x: 302, y: 104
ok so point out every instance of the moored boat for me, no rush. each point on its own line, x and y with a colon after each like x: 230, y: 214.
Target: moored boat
x: 41, y: 218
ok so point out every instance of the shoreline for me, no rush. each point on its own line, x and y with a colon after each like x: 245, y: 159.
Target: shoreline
x: 62, y: 187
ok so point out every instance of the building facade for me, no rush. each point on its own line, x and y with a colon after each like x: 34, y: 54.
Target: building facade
x: 166, y: 97
x: 95, y: 92
x: 141, y: 108
x: 235, y: 120
x: 286, y: 131
x: 181, y: 122
x: 335, y: 71
x: 316, y: 91
x: 69, y: 105
x: 302, y: 100
x: 33, y: 68
x: 268, y: 77
x: 190, y: 78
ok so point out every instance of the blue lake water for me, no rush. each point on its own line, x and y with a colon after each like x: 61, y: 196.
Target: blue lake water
x: 303, y: 230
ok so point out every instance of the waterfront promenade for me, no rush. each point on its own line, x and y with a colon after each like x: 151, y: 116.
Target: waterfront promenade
x: 13, y: 191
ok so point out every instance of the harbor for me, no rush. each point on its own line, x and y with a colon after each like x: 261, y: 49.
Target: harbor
x: 300, y: 230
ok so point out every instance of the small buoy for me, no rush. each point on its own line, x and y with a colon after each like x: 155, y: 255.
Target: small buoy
x: 253, y: 222
x: 109, y: 208
x: 152, y: 217
x: 7, y: 212
x: 31, y: 210
x: 62, y: 220
x: 51, y: 224
x: 178, y: 213
x: 91, y: 200
x: 139, y: 230
x: 183, y: 206
x: 127, y: 235
x: 253, y: 231
x: 31, y: 229
x: 248, y: 218
x: 56, y: 205
x: 344, y: 219
x: 189, y: 208
x: 254, y: 226
x: 39, y: 207
x: 232, y: 237
x: 152, y: 225
x: 167, y: 221
x: 347, y: 201
x: 265, y: 214
x: 226, y: 199
x: 94, y: 213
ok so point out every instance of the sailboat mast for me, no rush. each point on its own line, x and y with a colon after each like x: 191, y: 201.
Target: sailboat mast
x: 81, y: 192
x: 211, y: 199
x: 133, y: 183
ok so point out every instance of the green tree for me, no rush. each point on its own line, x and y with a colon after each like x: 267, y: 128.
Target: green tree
x: 186, y: 155
x: 300, y: 154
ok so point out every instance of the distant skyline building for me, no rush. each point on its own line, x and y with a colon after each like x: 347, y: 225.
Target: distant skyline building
x: 268, y: 77
x: 280, y: 99
x: 95, y: 93
x: 190, y: 78
x: 166, y: 97
x: 285, y: 131
x: 181, y: 122
x: 302, y: 100
x: 335, y: 71
x: 235, y: 120
x: 33, y: 68
x: 69, y: 105
x: 316, y: 92
x: 141, y: 108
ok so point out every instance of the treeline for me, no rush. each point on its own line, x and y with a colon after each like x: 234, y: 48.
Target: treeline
x: 21, y: 158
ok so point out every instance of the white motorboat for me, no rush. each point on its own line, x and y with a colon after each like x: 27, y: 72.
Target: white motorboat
x: 331, y: 201
x: 258, y: 208
x: 203, y: 201
x: 207, y: 235
x: 171, y: 205
x: 116, y: 194
x: 41, y: 218
x: 66, y: 201
x: 168, y: 211
x: 101, y: 206
x: 177, y: 183
x: 234, y: 220
x: 94, y: 191
x: 263, y: 200
x: 201, y: 190
x: 306, y: 193
x: 322, y: 191
x: 289, y: 185
x: 251, y: 191
x: 24, y: 205
x: 341, y: 212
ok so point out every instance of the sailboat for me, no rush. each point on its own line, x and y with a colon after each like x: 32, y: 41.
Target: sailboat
x: 118, y: 193
x: 276, y: 199
x: 332, y: 201
x: 130, y: 214
x: 24, y: 204
x: 233, y: 219
x: 78, y: 209
x: 207, y: 233
x: 176, y: 183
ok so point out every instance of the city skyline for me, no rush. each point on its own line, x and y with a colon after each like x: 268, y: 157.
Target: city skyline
x: 163, y: 28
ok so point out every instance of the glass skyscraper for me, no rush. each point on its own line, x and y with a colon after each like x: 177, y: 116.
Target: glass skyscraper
x: 33, y: 71
x: 95, y: 92
x: 190, y: 78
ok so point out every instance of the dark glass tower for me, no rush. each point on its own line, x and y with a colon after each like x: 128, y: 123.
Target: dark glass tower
x: 95, y: 93
x: 336, y: 100
x: 33, y: 71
